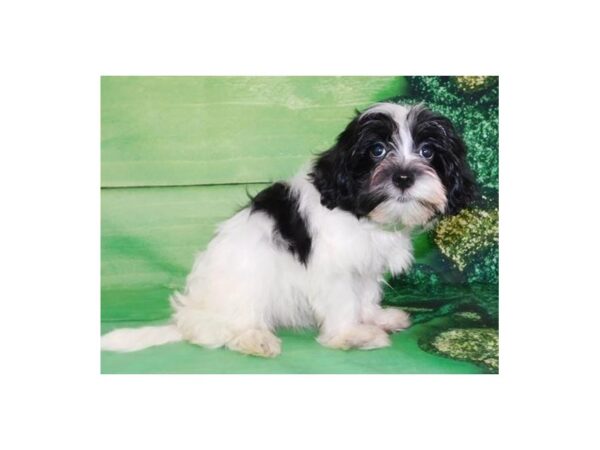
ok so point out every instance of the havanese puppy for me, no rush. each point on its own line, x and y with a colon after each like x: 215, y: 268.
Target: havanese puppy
x: 313, y: 251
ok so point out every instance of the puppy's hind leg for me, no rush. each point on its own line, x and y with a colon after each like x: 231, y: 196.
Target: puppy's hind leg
x: 214, y: 329
x: 205, y: 328
x: 256, y: 342
x: 238, y: 328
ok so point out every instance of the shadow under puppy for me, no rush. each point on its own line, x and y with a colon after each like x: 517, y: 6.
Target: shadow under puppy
x: 312, y: 252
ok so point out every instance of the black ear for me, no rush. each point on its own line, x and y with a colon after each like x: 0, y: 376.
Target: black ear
x: 450, y: 157
x: 331, y: 174
x: 453, y: 169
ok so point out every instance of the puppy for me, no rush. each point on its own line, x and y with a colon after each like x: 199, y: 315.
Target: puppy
x: 312, y: 252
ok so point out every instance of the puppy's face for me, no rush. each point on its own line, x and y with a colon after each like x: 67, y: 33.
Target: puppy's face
x: 396, y: 164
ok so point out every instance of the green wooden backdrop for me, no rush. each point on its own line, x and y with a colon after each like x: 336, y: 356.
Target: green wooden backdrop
x: 179, y: 155
x: 224, y: 130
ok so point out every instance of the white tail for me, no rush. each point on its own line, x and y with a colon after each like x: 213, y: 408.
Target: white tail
x: 134, y: 339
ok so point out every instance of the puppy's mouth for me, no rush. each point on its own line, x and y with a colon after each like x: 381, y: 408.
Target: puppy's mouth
x: 404, y: 198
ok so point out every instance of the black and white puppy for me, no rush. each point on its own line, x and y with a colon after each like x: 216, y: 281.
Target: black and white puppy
x: 312, y: 252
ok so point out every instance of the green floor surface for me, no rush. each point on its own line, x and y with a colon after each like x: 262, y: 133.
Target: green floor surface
x: 301, y: 355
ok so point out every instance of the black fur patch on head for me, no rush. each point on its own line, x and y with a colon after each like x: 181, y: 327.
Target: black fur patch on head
x: 281, y: 204
x: 341, y: 173
x: 450, y: 156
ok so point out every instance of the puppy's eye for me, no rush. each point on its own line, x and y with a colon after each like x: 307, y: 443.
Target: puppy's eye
x: 426, y: 152
x: 378, y: 151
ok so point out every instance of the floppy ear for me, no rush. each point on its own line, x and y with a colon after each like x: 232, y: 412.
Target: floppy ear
x: 453, y: 168
x: 331, y: 174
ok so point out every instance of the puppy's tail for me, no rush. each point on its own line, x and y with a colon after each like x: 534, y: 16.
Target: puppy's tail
x: 134, y: 339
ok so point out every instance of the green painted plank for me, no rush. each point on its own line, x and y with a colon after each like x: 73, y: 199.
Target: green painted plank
x: 149, y: 239
x: 301, y: 354
x: 212, y: 130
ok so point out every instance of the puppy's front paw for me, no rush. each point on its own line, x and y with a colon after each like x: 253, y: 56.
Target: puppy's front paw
x: 392, y: 319
x: 257, y: 343
x: 365, y: 337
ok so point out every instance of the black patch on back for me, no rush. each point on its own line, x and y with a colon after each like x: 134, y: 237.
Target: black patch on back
x: 281, y: 204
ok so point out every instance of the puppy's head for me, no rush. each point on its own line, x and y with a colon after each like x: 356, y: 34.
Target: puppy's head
x: 396, y: 164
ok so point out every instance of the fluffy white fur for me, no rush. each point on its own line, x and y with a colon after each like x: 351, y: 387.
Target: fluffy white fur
x: 245, y: 285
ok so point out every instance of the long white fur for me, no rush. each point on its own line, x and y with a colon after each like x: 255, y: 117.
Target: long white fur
x: 245, y: 285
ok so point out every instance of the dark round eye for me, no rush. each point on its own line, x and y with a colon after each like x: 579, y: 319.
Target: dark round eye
x: 426, y: 152
x: 378, y: 151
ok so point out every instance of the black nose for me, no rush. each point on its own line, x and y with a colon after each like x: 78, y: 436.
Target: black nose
x: 403, y: 179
